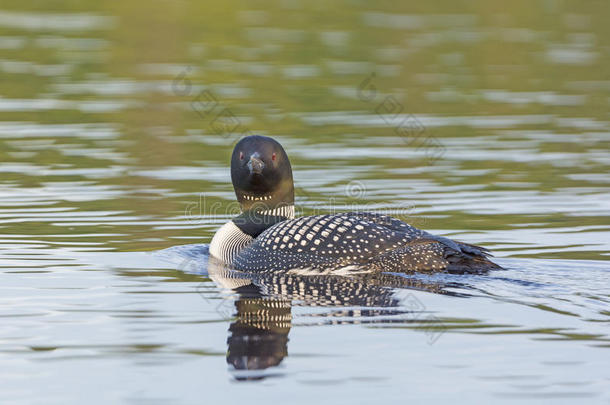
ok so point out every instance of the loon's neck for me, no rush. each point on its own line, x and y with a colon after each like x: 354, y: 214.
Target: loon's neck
x: 254, y: 223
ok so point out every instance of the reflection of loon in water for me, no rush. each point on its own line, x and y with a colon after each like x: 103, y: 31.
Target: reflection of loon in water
x: 258, y: 336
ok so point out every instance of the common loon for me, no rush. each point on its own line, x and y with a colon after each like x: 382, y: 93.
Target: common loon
x: 267, y: 237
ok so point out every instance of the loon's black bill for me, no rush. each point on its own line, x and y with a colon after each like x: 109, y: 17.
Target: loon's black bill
x: 256, y: 165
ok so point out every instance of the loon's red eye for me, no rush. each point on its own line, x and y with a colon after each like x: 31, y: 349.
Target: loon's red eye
x: 273, y: 157
x: 241, y: 155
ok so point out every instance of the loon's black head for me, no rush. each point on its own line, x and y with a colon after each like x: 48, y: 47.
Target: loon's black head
x: 261, y: 174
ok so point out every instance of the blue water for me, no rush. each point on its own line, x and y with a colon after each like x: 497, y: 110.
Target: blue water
x: 158, y: 328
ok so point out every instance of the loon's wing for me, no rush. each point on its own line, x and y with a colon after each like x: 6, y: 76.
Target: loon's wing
x: 418, y: 234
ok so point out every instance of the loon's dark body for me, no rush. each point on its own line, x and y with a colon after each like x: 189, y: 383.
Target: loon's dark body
x: 356, y: 243
x: 267, y: 238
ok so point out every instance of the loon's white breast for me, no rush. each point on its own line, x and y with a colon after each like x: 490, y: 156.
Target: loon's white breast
x: 228, y: 241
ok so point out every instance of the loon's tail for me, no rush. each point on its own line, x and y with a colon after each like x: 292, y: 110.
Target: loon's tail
x: 471, y: 259
x: 433, y: 255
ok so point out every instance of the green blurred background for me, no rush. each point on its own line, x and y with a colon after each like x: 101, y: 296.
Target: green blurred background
x: 100, y: 141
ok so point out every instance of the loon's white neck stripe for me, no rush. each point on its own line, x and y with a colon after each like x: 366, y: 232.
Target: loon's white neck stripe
x: 254, y: 198
x: 283, y: 211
